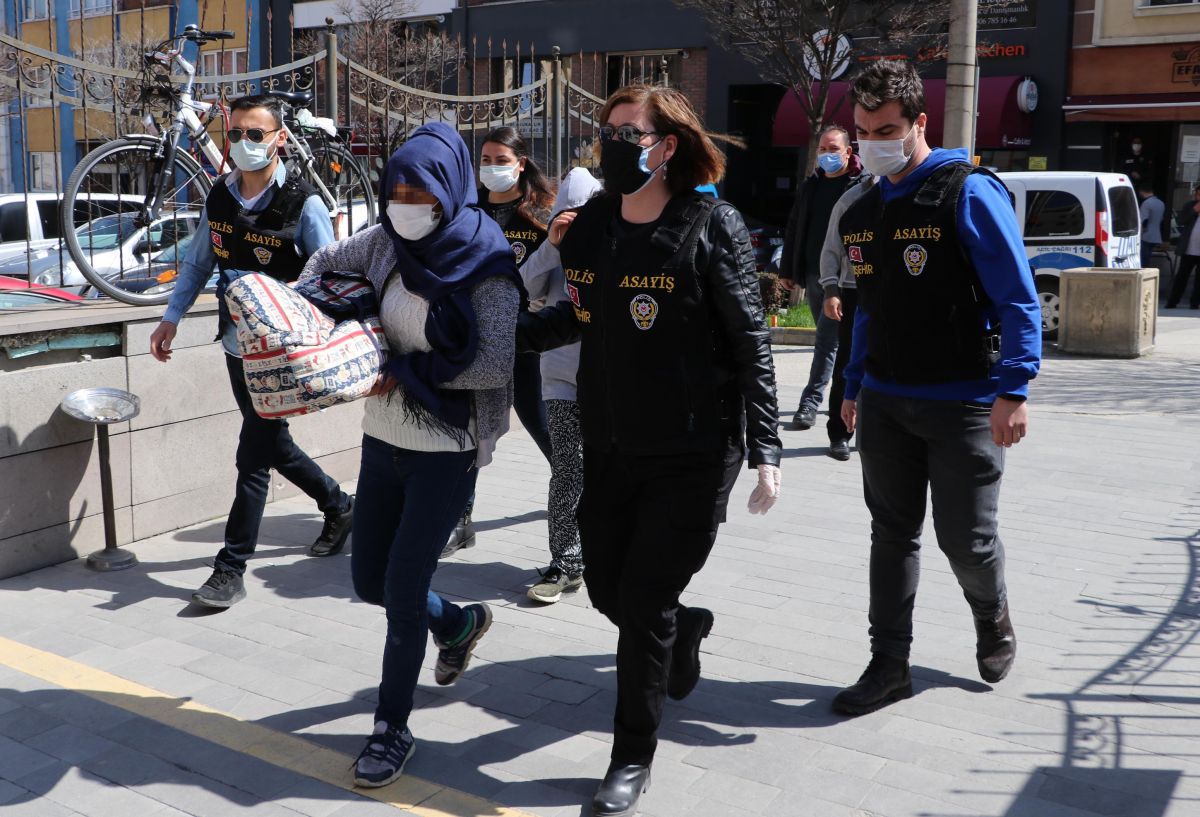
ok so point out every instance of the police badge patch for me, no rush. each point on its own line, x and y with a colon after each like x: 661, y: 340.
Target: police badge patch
x: 263, y: 255
x: 915, y: 257
x: 644, y: 310
x: 519, y: 250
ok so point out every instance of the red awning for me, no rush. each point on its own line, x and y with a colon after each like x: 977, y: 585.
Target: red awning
x: 1000, y: 125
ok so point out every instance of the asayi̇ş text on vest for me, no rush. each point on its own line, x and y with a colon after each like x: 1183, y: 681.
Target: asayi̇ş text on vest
x: 920, y: 290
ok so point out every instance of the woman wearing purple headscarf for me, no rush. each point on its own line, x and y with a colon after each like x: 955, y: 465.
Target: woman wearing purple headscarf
x: 449, y: 295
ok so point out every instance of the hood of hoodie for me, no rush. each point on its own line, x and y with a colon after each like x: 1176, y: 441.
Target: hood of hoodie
x: 940, y: 157
x: 576, y: 189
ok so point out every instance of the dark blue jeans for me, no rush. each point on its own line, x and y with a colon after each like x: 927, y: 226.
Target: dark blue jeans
x: 263, y: 445
x: 824, y: 349
x: 909, y: 446
x: 406, y: 506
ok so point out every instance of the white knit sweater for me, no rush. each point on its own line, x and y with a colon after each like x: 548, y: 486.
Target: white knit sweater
x: 403, y: 316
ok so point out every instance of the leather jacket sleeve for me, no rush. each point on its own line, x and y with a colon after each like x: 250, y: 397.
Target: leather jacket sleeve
x: 727, y: 261
x: 547, y: 328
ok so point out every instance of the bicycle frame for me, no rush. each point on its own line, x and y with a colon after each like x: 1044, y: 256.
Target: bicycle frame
x: 184, y: 118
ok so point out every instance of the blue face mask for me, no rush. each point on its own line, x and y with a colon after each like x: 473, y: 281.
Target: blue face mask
x: 831, y: 162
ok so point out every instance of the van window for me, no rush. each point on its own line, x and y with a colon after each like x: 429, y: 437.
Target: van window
x: 48, y: 213
x: 1053, y: 213
x: 13, y: 226
x: 1125, y: 218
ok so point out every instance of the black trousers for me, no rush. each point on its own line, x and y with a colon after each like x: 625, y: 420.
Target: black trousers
x: 263, y: 445
x: 1187, y: 265
x: 909, y: 446
x: 837, y: 390
x: 646, y: 526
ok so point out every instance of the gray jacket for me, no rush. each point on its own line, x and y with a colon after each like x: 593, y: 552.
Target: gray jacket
x: 835, y: 266
x: 1152, y: 212
x: 496, y: 302
x: 543, y: 274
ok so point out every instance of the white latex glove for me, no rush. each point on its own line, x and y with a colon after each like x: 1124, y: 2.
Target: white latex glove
x: 767, y: 491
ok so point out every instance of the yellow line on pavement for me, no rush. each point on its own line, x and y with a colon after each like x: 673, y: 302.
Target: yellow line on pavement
x: 411, y: 794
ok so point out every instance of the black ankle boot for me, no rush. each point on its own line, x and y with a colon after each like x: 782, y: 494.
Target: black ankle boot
x: 463, y: 536
x: 618, y: 794
x: 886, y: 679
x: 995, y: 646
x: 692, y: 625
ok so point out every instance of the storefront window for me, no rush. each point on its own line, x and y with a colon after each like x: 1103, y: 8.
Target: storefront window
x: 1152, y: 3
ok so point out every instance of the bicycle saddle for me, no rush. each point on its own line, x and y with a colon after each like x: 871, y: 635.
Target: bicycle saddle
x: 299, y: 99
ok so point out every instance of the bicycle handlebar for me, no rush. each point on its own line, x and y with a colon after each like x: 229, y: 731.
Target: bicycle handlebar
x: 196, y: 35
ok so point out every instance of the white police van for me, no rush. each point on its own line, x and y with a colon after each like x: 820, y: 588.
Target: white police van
x: 1074, y: 219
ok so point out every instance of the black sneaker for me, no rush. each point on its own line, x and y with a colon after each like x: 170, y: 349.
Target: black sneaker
x: 885, y: 680
x: 384, y: 757
x: 335, y: 532
x: 553, y: 584
x: 223, y: 589
x: 453, y: 658
x: 806, y: 418
x: 463, y: 536
x: 693, y: 624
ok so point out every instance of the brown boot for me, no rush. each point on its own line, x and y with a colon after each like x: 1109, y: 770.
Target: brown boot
x: 995, y: 646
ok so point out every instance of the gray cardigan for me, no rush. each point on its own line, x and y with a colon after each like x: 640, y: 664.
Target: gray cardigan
x: 496, y: 302
x: 835, y: 266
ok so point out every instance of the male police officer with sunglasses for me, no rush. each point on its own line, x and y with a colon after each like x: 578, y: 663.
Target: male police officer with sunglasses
x: 262, y: 221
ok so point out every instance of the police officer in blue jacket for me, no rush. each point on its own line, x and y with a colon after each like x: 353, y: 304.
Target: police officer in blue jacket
x: 255, y: 219
x: 946, y: 339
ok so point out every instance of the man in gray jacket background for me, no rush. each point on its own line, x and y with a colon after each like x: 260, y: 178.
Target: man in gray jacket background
x: 1152, y: 212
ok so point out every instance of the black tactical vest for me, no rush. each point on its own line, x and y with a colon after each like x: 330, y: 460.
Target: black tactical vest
x: 916, y: 282
x: 259, y: 241
x: 654, y: 375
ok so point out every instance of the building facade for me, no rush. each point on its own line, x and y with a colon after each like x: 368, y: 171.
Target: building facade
x: 1135, y: 78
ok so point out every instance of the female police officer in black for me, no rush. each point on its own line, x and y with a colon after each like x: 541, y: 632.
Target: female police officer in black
x: 675, y: 384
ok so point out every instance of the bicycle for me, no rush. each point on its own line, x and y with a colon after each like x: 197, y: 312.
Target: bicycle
x: 167, y: 185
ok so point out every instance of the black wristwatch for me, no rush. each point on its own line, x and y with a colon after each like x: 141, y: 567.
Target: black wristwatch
x: 1016, y: 398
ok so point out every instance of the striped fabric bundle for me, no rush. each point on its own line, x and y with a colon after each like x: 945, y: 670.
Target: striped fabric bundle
x: 296, y: 358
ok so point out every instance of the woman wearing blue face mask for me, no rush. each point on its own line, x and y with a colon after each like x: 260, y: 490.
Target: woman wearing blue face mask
x: 449, y: 296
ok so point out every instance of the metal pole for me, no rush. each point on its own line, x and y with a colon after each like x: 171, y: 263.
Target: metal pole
x: 975, y: 114
x: 112, y: 557
x: 556, y: 110
x: 331, y: 70
x: 960, y: 75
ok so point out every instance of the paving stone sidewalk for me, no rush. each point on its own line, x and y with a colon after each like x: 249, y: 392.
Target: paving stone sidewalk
x: 1100, y: 517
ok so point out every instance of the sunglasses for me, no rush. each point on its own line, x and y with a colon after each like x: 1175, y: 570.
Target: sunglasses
x: 253, y: 134
x: 626, y: 133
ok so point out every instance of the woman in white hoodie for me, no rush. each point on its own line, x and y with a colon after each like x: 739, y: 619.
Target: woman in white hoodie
x: 544, y: 279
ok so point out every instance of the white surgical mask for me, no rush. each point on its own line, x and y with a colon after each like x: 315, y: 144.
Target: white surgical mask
x: 885, y: 157
x: 412, y: 221
x: 249, y: 155
x: 499, y: 178
x: 1137, y: 148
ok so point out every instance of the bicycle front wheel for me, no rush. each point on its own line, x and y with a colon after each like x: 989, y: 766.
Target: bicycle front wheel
x: 128, y: 220
x: 347, y: 181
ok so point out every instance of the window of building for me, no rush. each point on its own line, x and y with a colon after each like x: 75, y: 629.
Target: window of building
x: 1053, y: 214
x: 37, y: 9
x: 223, y: 63
x: 91, y: 6
x: 43, y: 171
x: 1147, y: 4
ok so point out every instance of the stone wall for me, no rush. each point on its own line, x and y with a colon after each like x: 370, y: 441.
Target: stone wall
x: 173, y: 464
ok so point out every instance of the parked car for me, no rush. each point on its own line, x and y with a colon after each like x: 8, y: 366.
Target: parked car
x: 764, y: 238
x: 1074, y: 219
x: 157, y: 274
x: 116, y: 245
x: 16, y: 293
x: 29, y: 222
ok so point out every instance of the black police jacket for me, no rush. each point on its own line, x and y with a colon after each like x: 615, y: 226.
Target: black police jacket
x: 675, y: 355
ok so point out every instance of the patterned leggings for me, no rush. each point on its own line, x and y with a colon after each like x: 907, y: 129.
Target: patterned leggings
x: 566, y: 484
